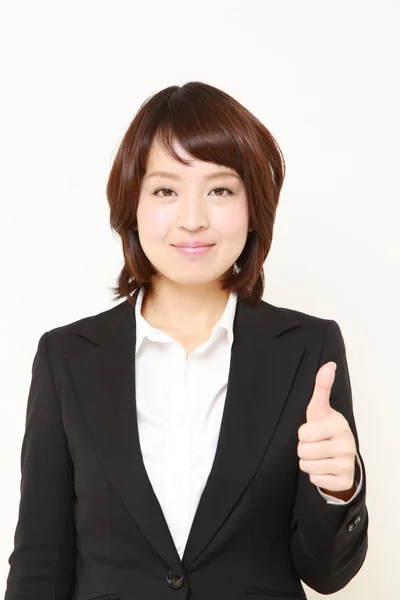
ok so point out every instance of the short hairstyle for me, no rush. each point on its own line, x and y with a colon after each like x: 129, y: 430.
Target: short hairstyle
x: 211, y: 126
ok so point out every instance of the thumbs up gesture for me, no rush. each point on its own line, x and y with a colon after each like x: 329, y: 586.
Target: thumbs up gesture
x: 327, y: 448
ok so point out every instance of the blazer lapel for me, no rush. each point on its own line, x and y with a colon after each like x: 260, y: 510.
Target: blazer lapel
x: 104, y: 375
x: 263, y: 365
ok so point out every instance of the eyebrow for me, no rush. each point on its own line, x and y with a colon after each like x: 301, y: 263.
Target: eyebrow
x: 177, y: 177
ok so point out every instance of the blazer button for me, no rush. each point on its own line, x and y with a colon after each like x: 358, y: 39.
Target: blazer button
x: 175, y: 581
x: 353, y: 524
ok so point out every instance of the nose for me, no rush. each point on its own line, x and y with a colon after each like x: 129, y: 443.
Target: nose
x: 192, y: 213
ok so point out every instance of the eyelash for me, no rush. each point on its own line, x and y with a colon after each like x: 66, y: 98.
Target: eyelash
x: 217, y: 188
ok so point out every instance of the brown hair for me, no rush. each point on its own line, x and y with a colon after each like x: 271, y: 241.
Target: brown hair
x: 211, y: 126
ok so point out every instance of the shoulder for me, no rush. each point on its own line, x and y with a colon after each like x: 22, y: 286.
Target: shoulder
x: 324, y: 331
x: 89, y: 325
x: 304, y: 318
x: 314, y: 328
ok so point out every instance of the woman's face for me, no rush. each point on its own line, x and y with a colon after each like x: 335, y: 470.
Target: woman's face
x: 191, y: 208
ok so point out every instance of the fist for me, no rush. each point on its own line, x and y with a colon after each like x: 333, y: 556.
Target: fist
x: 327, y: 448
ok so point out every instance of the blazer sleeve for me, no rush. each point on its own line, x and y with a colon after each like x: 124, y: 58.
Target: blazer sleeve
x: 329, y: 542
x: 42, y: 563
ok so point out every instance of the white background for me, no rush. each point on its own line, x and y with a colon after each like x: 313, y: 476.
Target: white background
x: 322, y: 76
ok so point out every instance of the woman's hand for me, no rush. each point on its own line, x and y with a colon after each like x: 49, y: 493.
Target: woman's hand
x: 327, y: 448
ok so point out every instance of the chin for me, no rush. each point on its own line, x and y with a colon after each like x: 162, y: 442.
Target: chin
x: 192, y: 278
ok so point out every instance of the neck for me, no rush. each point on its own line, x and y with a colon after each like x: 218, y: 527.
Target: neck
x: 184, y: 308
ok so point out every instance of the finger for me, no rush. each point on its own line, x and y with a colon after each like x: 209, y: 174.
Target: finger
x: 331, y: 483
x: 317, y: 431
x: 329, y: 466
x: 319, y: 406
x: 317, y: 450
x: 337, y: 447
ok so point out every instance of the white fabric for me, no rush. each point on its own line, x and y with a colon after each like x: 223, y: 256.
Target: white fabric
x: 179, y: 408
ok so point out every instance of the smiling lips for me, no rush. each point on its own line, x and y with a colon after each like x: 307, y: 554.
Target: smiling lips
x: 193, y: 244
x: 193, y: 248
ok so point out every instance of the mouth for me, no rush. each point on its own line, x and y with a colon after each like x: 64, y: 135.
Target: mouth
x: 194, y: 250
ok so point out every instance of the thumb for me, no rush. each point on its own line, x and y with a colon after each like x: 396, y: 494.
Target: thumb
x: 319, y: 406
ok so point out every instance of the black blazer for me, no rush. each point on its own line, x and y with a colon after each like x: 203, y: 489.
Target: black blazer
x: 90, y: 525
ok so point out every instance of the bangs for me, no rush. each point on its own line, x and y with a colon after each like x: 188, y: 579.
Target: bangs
x: 206, y: 131
x: 208, y: 123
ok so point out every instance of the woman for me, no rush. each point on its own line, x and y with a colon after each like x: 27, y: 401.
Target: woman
x: 193, y: 441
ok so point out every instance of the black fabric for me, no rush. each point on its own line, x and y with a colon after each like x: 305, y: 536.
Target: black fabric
x: 90, y: 526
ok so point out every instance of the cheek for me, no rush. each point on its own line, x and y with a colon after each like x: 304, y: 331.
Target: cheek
x: 232, y: 222
x: 153, y: 221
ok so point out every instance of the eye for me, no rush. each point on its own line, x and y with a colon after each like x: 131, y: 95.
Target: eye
x: 169, y: 190
x: 225, y: 189
x: 162, y: 190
